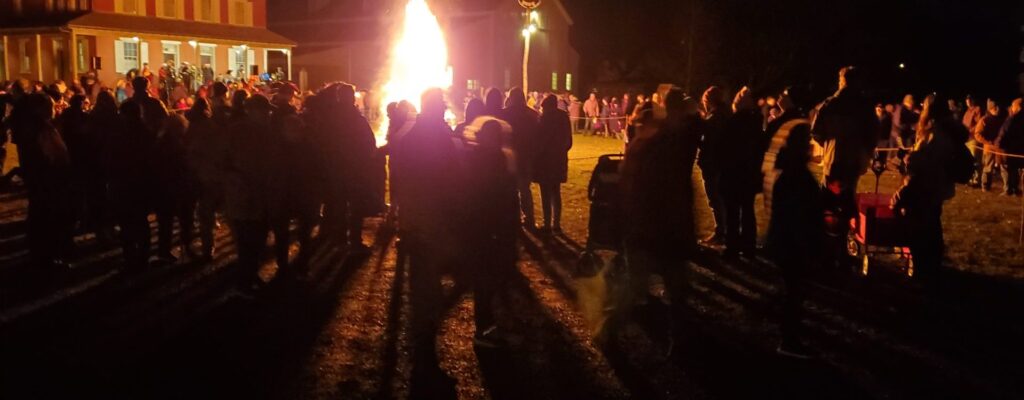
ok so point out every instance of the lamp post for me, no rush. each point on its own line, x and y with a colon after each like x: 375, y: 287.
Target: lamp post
x: 528, y: 31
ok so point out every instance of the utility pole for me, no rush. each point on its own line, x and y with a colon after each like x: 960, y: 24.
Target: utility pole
x: 528, y: 30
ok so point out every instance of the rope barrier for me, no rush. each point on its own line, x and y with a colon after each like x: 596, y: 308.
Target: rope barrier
x: 599, y: 118
x: 969, y: 145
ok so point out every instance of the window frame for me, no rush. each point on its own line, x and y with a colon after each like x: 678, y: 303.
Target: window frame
x: 213, y: 55
x: 141, y: 8
x: 246, y: 10
x: 214, y: 11
x: 177, y: 52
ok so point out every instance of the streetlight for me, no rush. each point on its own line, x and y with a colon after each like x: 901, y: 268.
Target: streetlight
x: 531, y: 16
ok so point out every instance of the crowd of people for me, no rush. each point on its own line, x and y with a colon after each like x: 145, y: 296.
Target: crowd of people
x: 729, y: 142
x: 272, y: 161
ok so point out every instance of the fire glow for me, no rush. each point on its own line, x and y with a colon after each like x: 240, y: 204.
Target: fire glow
x: 418, y: 59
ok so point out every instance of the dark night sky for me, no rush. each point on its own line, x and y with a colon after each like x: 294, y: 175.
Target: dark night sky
x: 953, y: 46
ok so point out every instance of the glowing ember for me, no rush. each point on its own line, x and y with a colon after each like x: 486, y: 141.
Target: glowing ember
x: 419, y: 59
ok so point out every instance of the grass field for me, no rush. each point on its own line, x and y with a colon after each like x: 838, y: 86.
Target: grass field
x: 982, y: 229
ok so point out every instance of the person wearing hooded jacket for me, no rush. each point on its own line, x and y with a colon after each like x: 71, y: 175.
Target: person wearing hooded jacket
x: 206, y: 147
x: 741, y: 174
x: 929, y: 184
x: 552, y: 161
x: 525, y: 122
x: 716, y: 113
x: 348, y: 156
x: 249, y: 187
x: 427, y: 169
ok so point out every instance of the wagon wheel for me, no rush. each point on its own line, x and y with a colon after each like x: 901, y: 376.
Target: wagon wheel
x: 853, y: 247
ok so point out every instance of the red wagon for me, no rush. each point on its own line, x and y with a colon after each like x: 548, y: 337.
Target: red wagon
x: 877, y: 230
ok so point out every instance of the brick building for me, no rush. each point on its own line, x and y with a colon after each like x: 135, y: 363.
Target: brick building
x: 47, y: 40
x: 349, y: 40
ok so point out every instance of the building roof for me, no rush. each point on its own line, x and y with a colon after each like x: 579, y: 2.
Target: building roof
x: 257, y: 36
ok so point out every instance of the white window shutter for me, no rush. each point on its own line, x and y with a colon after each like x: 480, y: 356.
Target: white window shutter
x: 251, y: 61
x: 145, y: 55
x: 119, y: 62
x: 233, y: 61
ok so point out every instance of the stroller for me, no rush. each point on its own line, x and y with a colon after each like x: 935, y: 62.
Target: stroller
x: 606, y: 213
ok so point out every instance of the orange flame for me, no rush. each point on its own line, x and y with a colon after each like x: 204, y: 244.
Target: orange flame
x: 418, y: 60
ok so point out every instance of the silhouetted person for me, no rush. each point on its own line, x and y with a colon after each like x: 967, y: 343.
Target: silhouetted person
x: 658, y: 194
x: 986, y: 132
x: 175, y: 190
x: 207, y: 145
x: 525, y: 122
x: 46, y: 169
x: 103, y: 124
x: 249, y: 187
x: 494, y: 103
x: 72, y: 124
x: 1011, y: 140
x: 846, y: 126
x: 552, y: 163
x: 972, y: 115
x: 741, y: 174
x: 298, y: 173
x: 929, y: 184
x: 220, y: 105
x: 154, y: 117
x: 130, y: 178
x: 796, y: 232
x: 475, y: 108
x: 426, y: 165
x: 717, y: 114
x: 350, y: 146
x: 491, y: 218
x: 904, y: 121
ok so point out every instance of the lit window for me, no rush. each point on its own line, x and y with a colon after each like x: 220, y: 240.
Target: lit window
x: 171, y: 52
x: 554, y: 81
x: 26, y: 59
x: 240, y: 12
x: 568, y: 81
x: 169, y: 8
x: 207, y: 56
x: 136, y: 7
x: 126, y: 55
x: 205, y: 10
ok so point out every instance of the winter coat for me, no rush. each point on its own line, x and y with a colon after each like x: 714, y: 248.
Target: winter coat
x: 1011, y: 139
x: 845, y: 126
x: 796, y: 232
x: 206, y: 150
x: 986, y: 132
x: 657, y: 181
x: 741, y: 163
x: 713, y: 144
x: 928, y: 182
x: 426, y: 168
x: 249, y: 173
x: 525, y: 123
x: 554, y: 141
